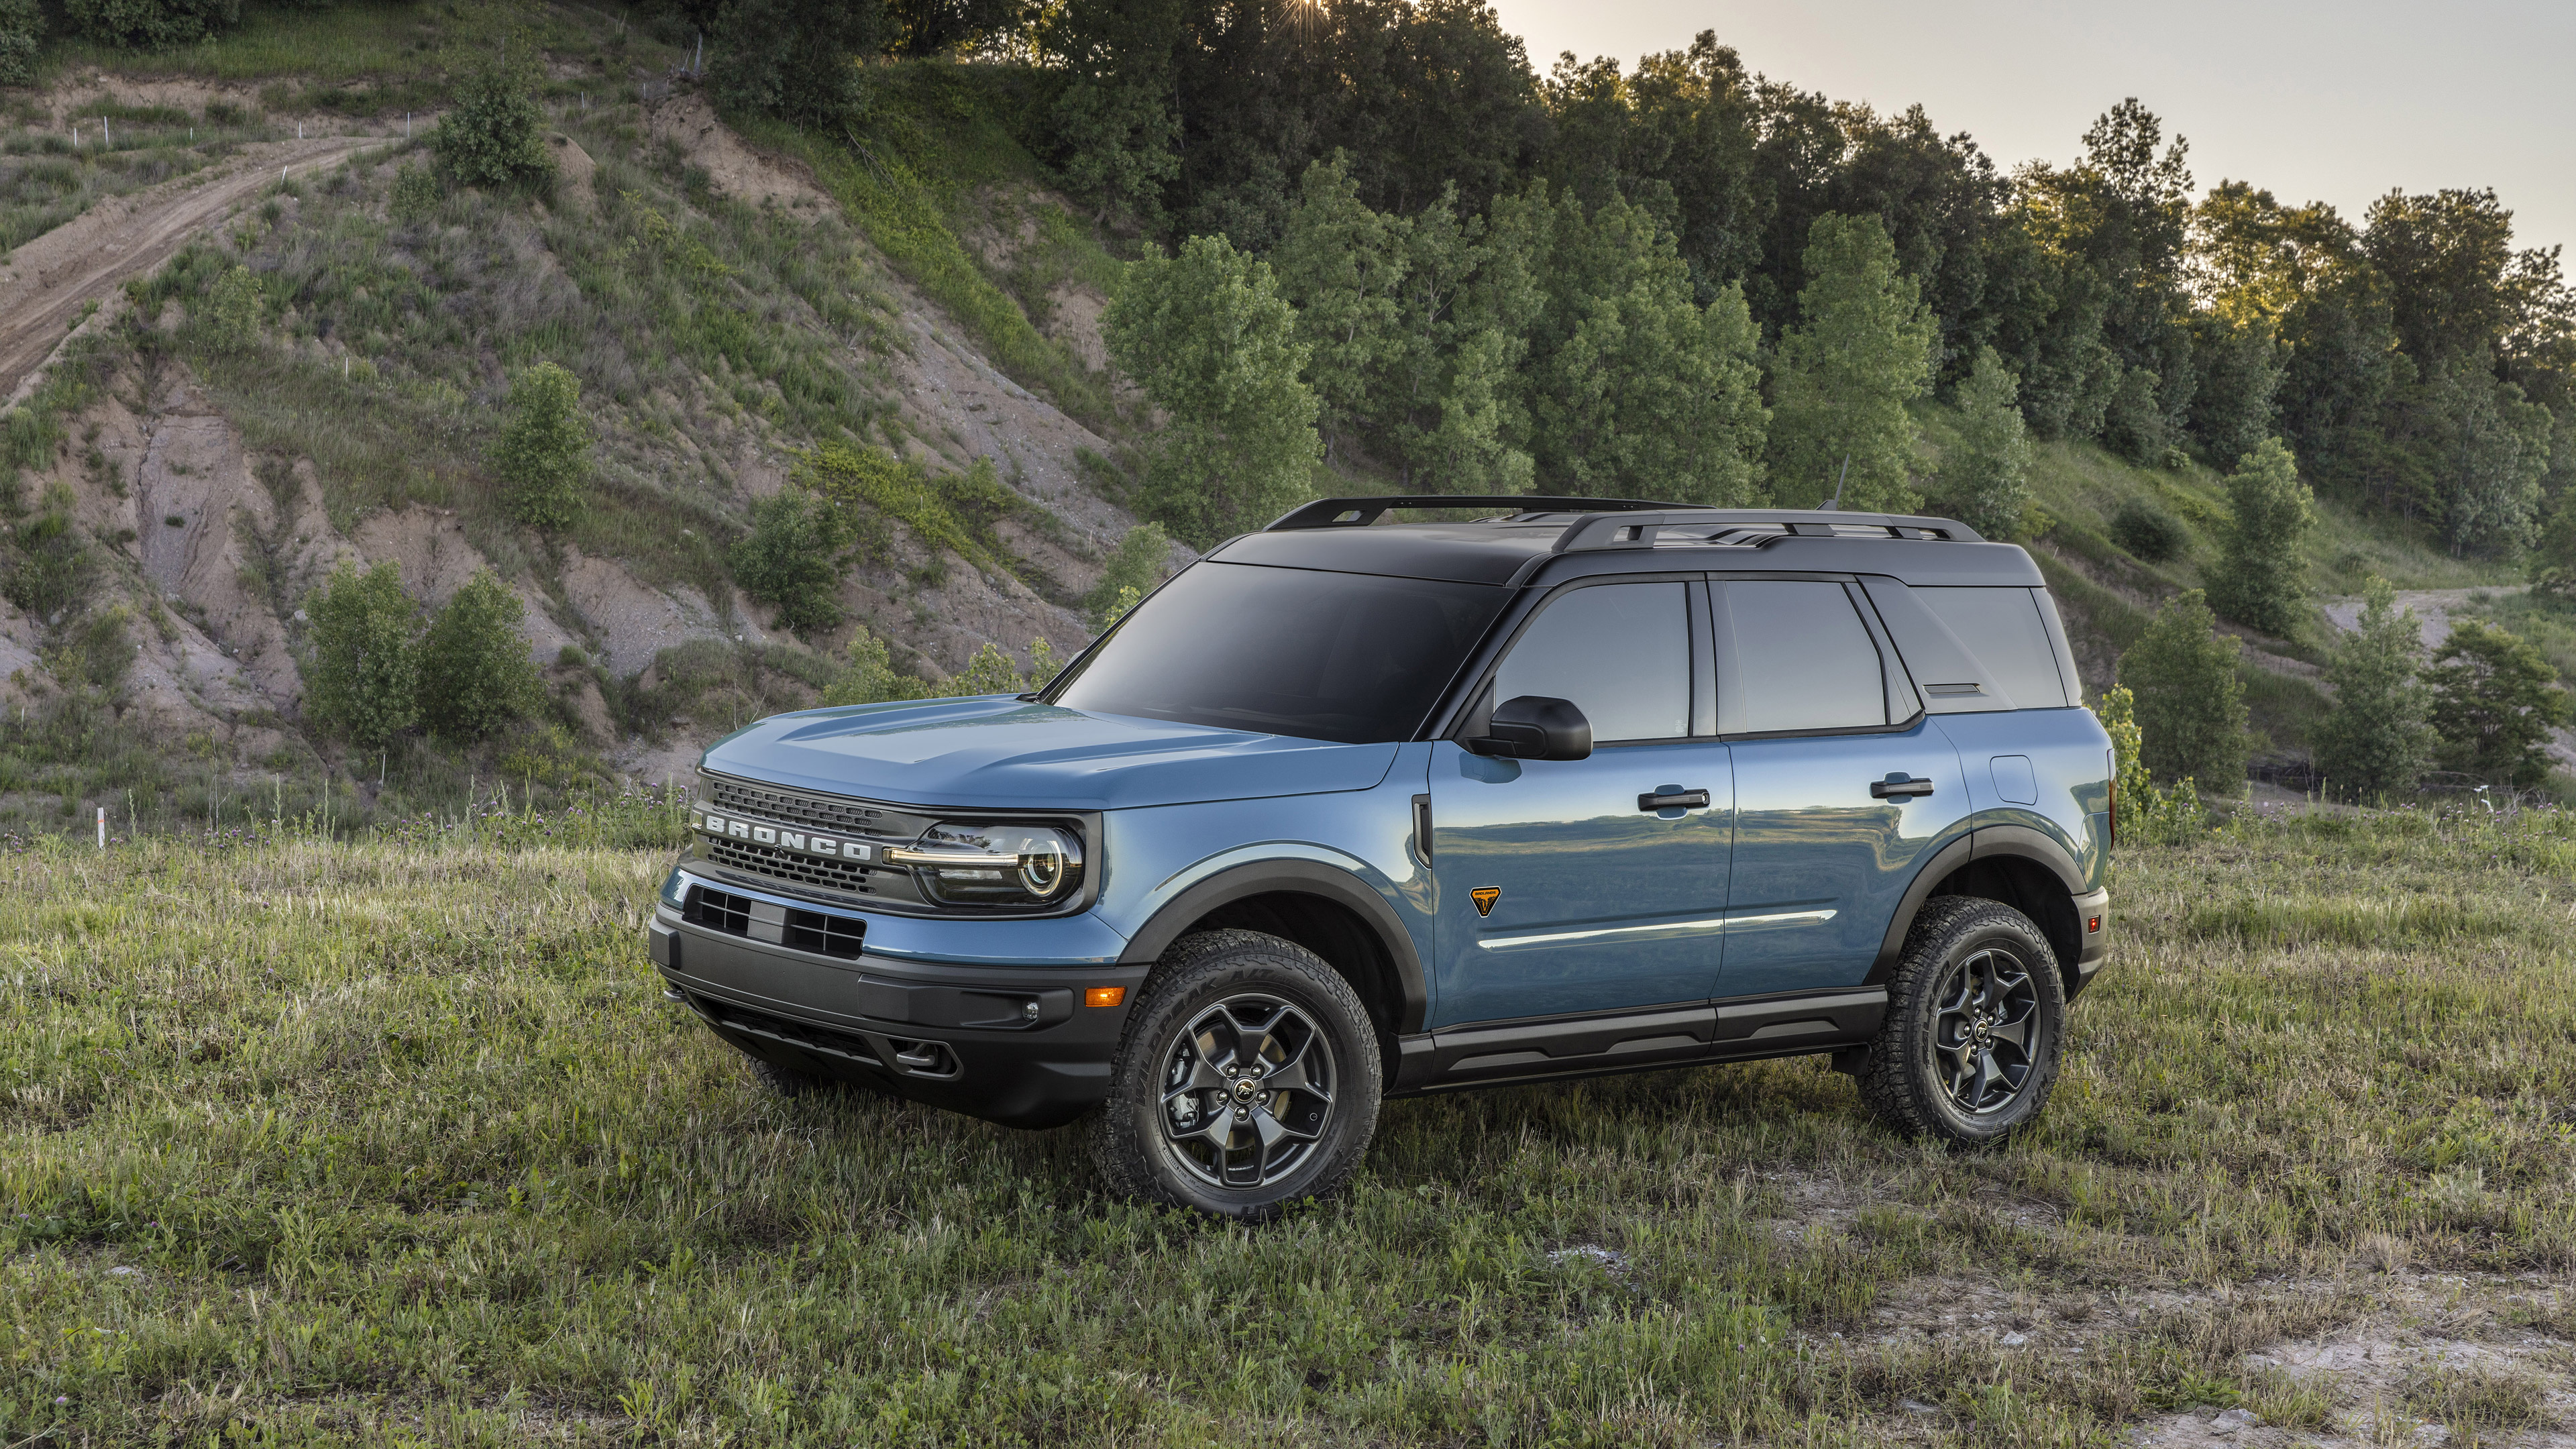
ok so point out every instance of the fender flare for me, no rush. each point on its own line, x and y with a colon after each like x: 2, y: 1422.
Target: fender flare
x: 1984, y: 842
x: 1292, y: 877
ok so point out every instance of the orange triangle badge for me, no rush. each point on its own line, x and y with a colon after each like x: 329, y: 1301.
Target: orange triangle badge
x: 1484, y: 897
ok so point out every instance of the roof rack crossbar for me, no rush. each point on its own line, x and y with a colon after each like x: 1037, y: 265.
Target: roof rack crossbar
x: 1626, y: 522
x: 1361, y: 512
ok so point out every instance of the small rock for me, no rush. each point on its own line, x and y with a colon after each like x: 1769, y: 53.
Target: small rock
x: 123, y: 1271
x: 2233, y: 1420
x: 2015, y: 1340
x: 1916, y: 1406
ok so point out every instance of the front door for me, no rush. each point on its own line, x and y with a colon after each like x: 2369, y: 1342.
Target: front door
x: 1566, y: 886
x: 1844, y: 789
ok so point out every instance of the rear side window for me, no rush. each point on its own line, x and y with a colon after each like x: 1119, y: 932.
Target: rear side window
x: 1620, y: 652
x: 1794, y: 655
x: 2003, y: 628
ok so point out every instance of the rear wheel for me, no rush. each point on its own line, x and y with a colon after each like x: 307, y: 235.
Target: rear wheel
x: 786, y: 1081
x: 1248, y: 1078
x: 1975, y: 1016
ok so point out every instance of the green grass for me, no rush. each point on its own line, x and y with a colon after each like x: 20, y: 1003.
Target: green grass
x: 401, y: 1144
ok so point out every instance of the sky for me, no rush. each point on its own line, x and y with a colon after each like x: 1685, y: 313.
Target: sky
x: 2310, y: 99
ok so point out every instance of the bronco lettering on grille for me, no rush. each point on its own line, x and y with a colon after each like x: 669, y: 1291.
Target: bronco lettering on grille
x: 795, y: 840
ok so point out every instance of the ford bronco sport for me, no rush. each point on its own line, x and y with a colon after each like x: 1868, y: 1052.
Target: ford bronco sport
x: 1353, y: 808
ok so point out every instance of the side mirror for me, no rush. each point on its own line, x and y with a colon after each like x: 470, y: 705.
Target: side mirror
x: 1535, y: 727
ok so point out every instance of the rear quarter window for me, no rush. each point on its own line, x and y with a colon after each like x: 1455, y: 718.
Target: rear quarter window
x: 2003, y: 627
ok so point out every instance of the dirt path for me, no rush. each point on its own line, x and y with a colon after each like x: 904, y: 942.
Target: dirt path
x: 48, y: 279
x: 2432, y: 609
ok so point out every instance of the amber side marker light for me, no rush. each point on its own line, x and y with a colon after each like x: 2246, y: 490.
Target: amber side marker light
x: 1104, y: 995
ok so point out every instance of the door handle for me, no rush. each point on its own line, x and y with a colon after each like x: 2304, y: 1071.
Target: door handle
x: 1897, y: 784
x: 1678, y: 800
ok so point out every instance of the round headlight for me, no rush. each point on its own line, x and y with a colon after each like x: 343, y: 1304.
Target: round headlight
x: 980, y: 864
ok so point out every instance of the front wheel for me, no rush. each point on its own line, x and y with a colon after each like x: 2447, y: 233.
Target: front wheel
x: 1247, y: 1079
x: 1975, y: 1017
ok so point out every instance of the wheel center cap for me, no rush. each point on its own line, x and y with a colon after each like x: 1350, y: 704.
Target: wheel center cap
x: 1246, y: 1089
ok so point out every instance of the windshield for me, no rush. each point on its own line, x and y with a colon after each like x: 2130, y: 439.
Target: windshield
x: 1354, y: 658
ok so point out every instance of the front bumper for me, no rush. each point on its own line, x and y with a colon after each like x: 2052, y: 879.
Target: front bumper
x: 1010, y: 1044
x: 2093, y: 925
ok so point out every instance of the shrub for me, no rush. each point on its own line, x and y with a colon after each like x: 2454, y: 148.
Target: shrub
x: 2494, y: 700
x: 2263, y: 582
x: 2376, y: 739
x: 154, y: 24
x: 102, y: 651
x: 1134, y: 568
x: 2148, y: 531
x: 50, y: 568
x: 2145, y: 813
x: 22, y: 33
x: 363, y: 680
x: 416, y: 193
x: 871, y: 678
x: 475, y: 674
x: 492, y: 137
x: 543, y: 456
x: 791, y: 560
x: 2191, y: 706
x: 232, y: 313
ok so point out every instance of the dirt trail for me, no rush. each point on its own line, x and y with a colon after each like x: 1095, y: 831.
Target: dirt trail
x: 47, y: 280
x: 2432, y: 608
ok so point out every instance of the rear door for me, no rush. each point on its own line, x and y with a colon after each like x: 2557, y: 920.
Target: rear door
x: 1565, y: 888
x: 1844, y: 788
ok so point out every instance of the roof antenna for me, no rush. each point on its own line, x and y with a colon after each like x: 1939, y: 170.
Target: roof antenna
x: 1835, y: 503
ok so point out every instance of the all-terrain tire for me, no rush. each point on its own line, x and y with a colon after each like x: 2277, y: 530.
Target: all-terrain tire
x: 787, y: 1081
x: 1976, y: 1018
x: 1247, y: 1078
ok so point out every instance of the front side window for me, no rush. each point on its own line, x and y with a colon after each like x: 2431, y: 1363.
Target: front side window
x: 1353, y: 658
x: 1620, y: 652
x: 1795, y: 656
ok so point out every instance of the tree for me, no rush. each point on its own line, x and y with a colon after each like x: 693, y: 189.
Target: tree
x: 2141, y: 811
x: 2495, y: 697
x: 362, y: 683
x: 2262, y: 581
x: 2191, y: 705
x: 151, y: 24
x: 475, y: 673
x: 1341, y: 266
x: 543, y: 455
x: 1860, y: 352
x: 1210, y: 341
x: 791, y: 559
x: 871, y: 678
x: 1985, y: 479
x: 793, y: 58
x: 492, y: 136
x: 1135, y: 567
x: 22, y: 34
x: 2376, y: 740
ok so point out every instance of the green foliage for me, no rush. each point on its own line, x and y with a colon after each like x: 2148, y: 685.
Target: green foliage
x: 2190, y: 704
x: 2146, y: 814
x: 50, y: 567
x: 871, y: 678
x: 791, y: 559
x: 231, y: 318
x: 1860, y: 352
x: 1209, y: 340
x: 793, y: 58
x: 493, y: 134
x: 363, y: 679
x: 151, y: 24
x: 1134, y: 568
x: 543, y: 454
x: 22, y: 34
x: 2262, y: 581
x: 2147, y: 531
x: 416, y: 194
x: 1119, y: 143
x: 474, y: 670
x: 1985, y: 480
x: 2377, y: 740
x: 2495, y: 698
x: 949, y: 513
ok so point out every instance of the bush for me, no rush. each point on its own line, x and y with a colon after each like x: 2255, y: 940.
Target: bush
x: 871, y: 678
x: 416, y: 194
x: 2263, y: 582
x: 231, y: 317
x: 22, y: 34
x: 2376, y: 740
x: 475, y: 674
x: 102, y: 651
x: 154, y: 24
x: 363, y: 683
x: 2191, y: 706
x: 2144, y: 813
x: 493, y: 137
x: 1135, y: 567
x: 2148, y: 531
x: 791, y: 560
x: 543, y: 456
x: 2494, y: 700
x: 50, y: 568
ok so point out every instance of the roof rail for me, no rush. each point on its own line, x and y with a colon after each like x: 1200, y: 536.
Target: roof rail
x: 1617, y: 522
x: 1361, y: 512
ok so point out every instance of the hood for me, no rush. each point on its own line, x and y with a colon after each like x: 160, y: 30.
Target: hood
x: 997, y: 752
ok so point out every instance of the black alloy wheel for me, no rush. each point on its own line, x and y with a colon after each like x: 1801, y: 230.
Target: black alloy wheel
x: 1247, y: 1078
x: 1975, y: 1015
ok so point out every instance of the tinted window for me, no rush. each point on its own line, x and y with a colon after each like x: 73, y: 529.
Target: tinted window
x: 2003, y: 629
x: 1797, y: 657
x: 1326, y: 656
x: 1621, y: 652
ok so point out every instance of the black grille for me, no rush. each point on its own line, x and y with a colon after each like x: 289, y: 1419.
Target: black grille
x: 719, y: 911
x: 787, y: 865
x: 827, y: 935
x: 848, y: 817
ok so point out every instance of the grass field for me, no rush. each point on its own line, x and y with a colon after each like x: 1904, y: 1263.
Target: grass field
x: 398, y: 1142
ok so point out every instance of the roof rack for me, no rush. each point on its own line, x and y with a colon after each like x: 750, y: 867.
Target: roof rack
x: 1630, y: 523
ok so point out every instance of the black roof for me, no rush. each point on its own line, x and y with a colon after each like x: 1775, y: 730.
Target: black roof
x: 1544, y: 539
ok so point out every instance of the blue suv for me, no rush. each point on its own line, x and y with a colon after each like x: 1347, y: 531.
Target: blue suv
x: 1354, y: 808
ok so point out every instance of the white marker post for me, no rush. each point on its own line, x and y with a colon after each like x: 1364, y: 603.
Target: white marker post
x: 102, y: 827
